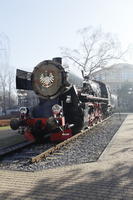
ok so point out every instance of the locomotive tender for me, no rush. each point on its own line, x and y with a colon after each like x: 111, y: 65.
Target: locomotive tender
x: 64, y: 109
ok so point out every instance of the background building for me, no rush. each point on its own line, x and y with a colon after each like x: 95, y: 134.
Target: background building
x: 115, y: 76
x: 119, y: 79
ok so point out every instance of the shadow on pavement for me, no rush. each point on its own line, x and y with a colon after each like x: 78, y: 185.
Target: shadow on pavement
x: 115, y: 183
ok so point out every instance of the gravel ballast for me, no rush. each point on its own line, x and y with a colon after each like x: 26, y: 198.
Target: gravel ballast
x: 86, y: 148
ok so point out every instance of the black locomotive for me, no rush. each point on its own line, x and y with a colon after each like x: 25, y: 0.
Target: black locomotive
x: 67, y: 103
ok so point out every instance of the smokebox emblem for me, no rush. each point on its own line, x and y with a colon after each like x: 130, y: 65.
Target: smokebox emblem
x: 46, y: 79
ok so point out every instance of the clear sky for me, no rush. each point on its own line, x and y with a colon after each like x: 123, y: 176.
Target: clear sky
x: 38, y: 28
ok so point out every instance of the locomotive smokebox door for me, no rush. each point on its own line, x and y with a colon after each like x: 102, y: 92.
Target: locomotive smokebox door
x: 48, y: 79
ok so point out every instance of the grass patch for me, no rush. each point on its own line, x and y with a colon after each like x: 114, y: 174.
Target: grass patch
x: 5, y: 128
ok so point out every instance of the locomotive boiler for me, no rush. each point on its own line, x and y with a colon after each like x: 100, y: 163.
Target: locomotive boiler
x: 66, y: 105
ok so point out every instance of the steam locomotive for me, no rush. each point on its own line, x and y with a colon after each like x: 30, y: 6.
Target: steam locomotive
x: 66, y: 105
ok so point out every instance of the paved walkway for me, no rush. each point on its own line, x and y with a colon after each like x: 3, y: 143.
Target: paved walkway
x: 110, y: 178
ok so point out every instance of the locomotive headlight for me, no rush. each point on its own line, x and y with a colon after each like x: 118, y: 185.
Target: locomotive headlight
x: 23, y: 110
x: 56, y: 109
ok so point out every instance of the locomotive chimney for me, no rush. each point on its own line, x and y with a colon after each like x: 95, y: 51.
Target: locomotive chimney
x: 58, y: 60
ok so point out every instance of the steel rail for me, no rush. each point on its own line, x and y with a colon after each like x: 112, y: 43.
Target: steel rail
x: 14, y: 147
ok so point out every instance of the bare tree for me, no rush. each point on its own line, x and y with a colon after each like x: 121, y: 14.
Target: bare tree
x: 6, y: 74
x: 10, y: 82
x: 96, y: 50
x: 3, y: 79
x: 6, y: 91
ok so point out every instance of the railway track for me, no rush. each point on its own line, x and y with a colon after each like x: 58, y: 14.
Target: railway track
x: 38, y: 155
x: 87, y: 148
x: 21, y: 152
x: 6, y: 150
x: 50, y: 151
